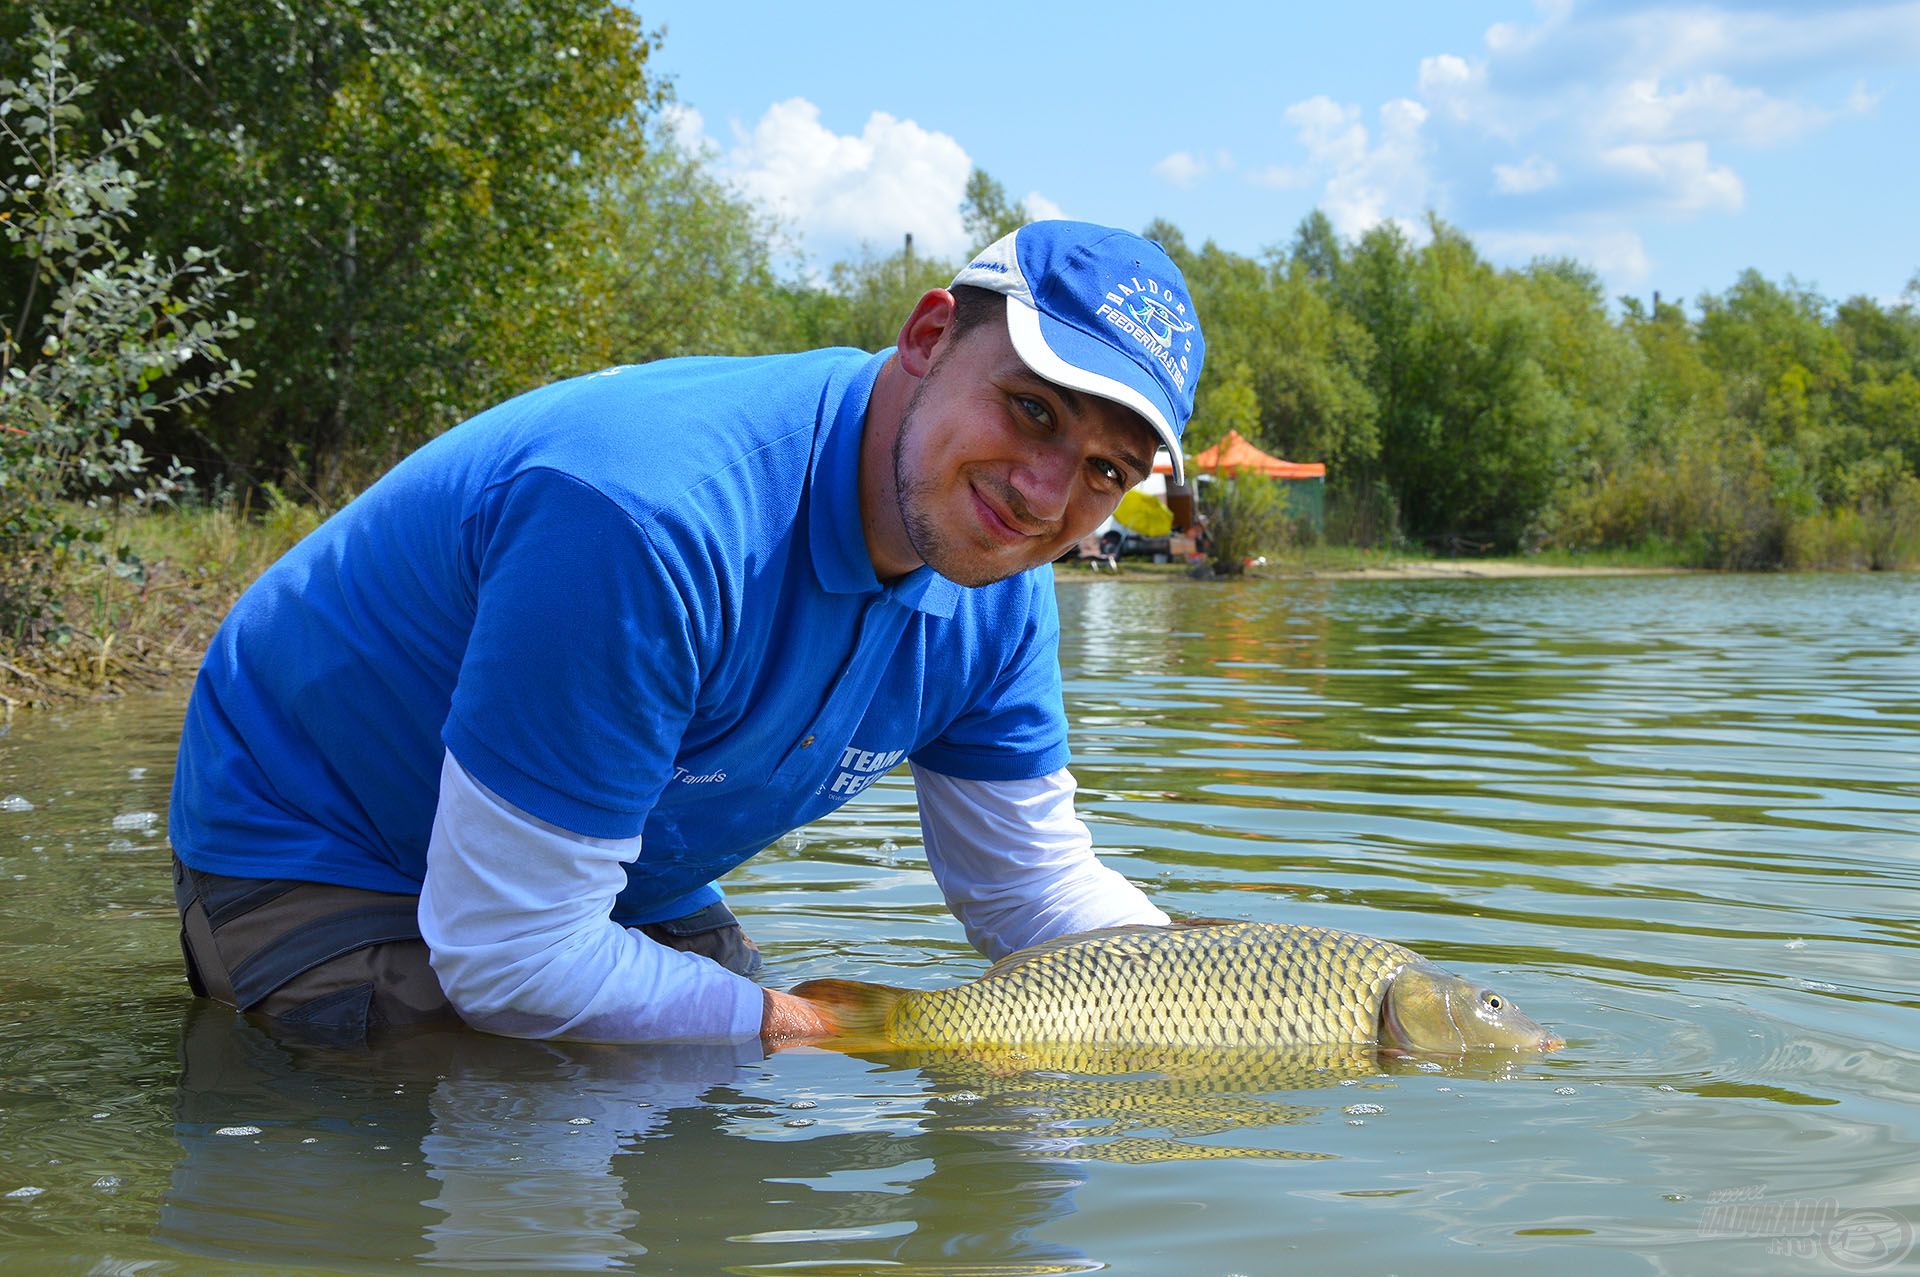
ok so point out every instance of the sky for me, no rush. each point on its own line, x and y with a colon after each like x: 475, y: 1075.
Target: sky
x: 1668, y: 147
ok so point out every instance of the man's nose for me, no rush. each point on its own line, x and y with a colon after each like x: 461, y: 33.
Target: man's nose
x: 1045, y: 482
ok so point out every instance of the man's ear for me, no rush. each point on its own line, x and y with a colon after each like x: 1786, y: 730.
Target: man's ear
x: 930, y: 322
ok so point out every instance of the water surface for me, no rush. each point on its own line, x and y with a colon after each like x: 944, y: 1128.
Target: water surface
x: 1678, y: 819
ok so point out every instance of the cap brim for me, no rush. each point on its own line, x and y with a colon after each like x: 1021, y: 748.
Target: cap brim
x: 1068, y: 357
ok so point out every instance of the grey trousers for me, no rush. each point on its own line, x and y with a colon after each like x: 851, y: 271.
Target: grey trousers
x: 340, y: 962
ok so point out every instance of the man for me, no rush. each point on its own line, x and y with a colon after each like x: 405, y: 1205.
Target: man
x: 482, y: 743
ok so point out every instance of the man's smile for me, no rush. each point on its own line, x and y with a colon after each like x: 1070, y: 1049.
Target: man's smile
x: 1004, y: 513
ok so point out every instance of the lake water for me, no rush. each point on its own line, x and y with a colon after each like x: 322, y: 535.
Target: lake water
x: 1675, y: 818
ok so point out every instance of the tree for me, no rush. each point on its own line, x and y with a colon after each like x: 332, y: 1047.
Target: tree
x: 1247, y: 517
x: 389, y: 176
x: 1779, y: 358
x: 986, y: 211
x: 103, y: 339
x: 1315, y: 251
x: 1476, y: 414
x: 667, y: 259
x: 875, y: 294
x: 1275, y: 337
x: 1229, y: 403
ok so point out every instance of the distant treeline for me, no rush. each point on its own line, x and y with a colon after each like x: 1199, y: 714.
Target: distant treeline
x: 429, y: 205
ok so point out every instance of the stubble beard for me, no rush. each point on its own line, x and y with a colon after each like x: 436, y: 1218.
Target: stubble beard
x: 933, y: 543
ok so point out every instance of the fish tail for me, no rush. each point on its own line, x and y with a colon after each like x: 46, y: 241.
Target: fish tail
x: 854, y: 1006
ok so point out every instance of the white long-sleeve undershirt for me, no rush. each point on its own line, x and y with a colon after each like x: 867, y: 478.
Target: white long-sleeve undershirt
x: 515, y: 910
x: 1016, y: 864
x: 515, y: 915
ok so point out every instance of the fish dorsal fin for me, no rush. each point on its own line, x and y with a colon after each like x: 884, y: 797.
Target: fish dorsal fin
x: 1047, y: 948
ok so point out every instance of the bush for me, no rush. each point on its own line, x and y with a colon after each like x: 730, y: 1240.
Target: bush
x: 1716, y: 501
x: 103, y: 341
x: 1246, y: 518
x: 1878, y: 528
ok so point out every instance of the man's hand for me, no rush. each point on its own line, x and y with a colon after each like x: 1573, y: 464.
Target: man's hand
x: 786, y: 1020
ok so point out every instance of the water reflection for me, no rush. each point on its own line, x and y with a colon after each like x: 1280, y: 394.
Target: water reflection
x: 461, y: 1150
x: 458, y: 1149
x: 483, y: 1149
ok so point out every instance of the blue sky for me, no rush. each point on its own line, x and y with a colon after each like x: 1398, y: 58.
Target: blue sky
x: 1667, y: 146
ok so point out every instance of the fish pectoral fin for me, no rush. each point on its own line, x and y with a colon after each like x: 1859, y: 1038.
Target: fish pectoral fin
x: 855, y: 1006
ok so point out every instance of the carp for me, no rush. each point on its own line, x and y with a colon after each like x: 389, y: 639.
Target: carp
x: 1128, y: 996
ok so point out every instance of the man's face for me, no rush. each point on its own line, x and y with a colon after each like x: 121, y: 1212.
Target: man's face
x: 997, y: 470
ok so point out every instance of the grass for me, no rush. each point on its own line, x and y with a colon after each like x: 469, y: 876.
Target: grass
x: 148, y: 623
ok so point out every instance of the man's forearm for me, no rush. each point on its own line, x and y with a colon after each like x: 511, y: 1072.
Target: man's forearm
x: 514, y: 912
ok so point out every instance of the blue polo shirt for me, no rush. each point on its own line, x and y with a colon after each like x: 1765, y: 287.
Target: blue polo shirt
x: 636, y: 602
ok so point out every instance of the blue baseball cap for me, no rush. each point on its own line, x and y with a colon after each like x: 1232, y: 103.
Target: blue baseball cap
x: 1100, y: 310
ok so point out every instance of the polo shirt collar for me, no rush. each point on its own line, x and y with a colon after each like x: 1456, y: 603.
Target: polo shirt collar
x: 835, y: 536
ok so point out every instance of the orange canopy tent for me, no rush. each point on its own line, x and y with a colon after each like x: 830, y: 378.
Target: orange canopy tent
x: 1234, y: 454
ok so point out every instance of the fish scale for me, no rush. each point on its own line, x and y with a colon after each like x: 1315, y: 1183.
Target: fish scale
x: 1246, y: 984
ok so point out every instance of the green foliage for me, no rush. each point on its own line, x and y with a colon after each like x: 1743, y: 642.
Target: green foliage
x: 1482, y: 379
x: 1228, y: 403
x: 872, y: 296
x: 1316, y: 252
x: 104, y: 339
x: 1247, y: 518
x: 986, y: 211
x: 664, y: 259
x: 401, y: 183
x: 1286, y: 367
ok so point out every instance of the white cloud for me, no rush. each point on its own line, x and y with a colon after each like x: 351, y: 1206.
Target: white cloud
x: 1799, y: 39
x: 1676, y: 177
x: 1366, y: 182
x: 1457, y: 91
x: 1535, y: 173
x: 1182, y: 168
x: 1445, y: 73
x: 1040, y: 208
x: 1601, y: 115
x: 838, y: 191
x: 1331, y: 133
x: 1711, y: 107
x: 684, y: 127
x: 1280, y: 177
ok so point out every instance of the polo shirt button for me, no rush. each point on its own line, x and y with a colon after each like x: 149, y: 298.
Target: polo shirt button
x: 807, y: 743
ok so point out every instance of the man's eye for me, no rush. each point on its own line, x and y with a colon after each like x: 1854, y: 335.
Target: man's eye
x: 1110, y: 472
x: 1036, y: 412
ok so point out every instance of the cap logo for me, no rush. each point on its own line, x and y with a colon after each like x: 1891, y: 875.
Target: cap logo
x: 1152, y: 316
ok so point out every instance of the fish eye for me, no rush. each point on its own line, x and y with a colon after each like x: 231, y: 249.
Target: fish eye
x: 1492, y: 1000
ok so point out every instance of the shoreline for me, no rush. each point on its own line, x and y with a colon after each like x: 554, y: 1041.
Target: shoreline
x: 1392, y: 570
x: 151, y: 633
